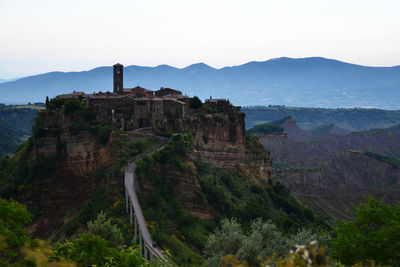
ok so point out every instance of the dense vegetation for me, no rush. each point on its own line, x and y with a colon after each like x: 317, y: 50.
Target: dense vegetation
x: 102, y: 245
x: 373, y: 235
x: 225, y: 193
x: 13, y: 217
x: 268, y: 128
x: 263, y: 239
x: 357, y: 118
x: 267, y: 217
x: 372, y: 238
x: 15, y: 127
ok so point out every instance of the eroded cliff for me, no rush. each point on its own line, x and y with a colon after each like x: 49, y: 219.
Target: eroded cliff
x: 220, y: 139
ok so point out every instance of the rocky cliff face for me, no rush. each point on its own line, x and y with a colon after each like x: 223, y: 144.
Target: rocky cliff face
x: 327, y: 177
x: 220, y: 139
x: 69, y: 186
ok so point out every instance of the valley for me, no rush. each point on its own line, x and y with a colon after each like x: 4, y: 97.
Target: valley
x: 331, y: 170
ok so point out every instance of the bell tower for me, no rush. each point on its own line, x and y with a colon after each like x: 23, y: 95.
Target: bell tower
x: 118, y: 78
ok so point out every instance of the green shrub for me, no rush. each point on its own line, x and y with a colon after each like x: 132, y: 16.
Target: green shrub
x: 71, y: 106
x: 103, y: 228
x: 55, y: 104
x: 373, y: 235
x: 98, y: 202
x: 262, y: 240
x: 13, y: 218
x: 103, y: 133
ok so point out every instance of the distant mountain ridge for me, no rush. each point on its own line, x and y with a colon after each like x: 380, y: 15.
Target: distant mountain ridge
x: 314, y: 82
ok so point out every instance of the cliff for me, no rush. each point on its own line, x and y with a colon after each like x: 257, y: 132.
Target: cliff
x: 72, y: 169
x: 71, y: 155
x: 329, y: 173
x: 70, y: 161
x: 220, y: 139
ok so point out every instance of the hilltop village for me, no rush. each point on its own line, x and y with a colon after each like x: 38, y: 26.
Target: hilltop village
x: 134, y: 108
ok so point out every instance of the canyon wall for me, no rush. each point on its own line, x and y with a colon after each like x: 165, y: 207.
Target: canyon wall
x: 220, y: 139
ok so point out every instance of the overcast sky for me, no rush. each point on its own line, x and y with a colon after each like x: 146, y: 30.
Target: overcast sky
x: 39, y: 36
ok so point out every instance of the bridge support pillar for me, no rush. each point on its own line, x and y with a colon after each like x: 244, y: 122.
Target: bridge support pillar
x: 126, y: 200
x: 140, y: 242
x: 136, y: 232
x: 130, y: 213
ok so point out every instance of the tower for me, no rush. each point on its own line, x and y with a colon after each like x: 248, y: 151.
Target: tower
x: 118, y: 78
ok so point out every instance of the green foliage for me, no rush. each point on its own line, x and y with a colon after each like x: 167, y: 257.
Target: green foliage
x: 265, y: 128
x: 55, y: 104
x: 208, y: 109
x: 103, y: 228
x: 394, y: 162
x: 373, y: 235
x: 103, y: 133
x: 24, y: 172
x: 86, y: 250
x: 92, y: 250
x: 195, y: 103
x: 162, y: 210
x: 262, y: 240
x: 254, y: 145
x: 15, y: 127
x: 230, y: 196
x: 186, y: 256
x: 71, y: 106
x: 237, y: 108
x: 13, y: 217
x: 99, y: 201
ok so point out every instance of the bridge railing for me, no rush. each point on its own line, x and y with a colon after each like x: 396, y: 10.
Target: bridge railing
x: 136, y: 215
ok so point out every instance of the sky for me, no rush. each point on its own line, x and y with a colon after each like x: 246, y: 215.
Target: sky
x: 38, y: 36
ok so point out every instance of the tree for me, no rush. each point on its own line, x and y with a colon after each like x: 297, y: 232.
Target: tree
x: 13, y: 217
x: 262, y: 241
x: 103, y: 228
x: 373, y: 235
x: 195, y: 103
x: 90, y: 250
x: 226, y: 240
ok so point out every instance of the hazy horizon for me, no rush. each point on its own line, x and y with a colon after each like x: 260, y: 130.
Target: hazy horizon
x: 178, y: 67
x: 45, y: 35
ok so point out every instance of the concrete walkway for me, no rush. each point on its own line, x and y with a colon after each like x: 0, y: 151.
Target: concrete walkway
x: 150, y: 250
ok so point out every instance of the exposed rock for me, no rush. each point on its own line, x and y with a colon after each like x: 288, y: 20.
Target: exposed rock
x: 73, y: 181
x: 220, y: 139
x: 328, y: 178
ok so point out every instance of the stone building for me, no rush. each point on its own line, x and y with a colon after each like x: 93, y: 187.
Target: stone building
x: 134, y: 108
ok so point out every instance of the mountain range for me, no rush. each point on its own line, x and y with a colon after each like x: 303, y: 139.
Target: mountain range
x: 313, y: 82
